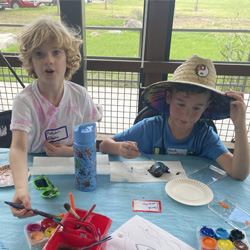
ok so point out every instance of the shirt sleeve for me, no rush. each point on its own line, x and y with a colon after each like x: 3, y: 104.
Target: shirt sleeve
x: 21, y: 116
x: 213, y: 147
x: 142, y: 132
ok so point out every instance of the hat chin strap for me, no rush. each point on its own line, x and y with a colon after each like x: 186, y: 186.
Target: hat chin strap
x: 209, y: 124
x: 163, y: 126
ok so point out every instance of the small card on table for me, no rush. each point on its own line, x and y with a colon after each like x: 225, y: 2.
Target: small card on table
x: 151, y: 206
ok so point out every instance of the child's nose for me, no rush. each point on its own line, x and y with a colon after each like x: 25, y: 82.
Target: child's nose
x: 49, y: 59
x: 187, y: 112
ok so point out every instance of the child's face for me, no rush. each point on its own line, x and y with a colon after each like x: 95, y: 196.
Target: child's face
x: 49, y: 63
x: 186, y: 109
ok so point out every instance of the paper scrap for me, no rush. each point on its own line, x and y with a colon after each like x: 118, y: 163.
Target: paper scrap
x: 138, y: 233
x: 137, y: 171
x: 65, y: 165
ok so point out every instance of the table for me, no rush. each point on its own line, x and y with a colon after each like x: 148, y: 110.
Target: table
x: 114, y: 200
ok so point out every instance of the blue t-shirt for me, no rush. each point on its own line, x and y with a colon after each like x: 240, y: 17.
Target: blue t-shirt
x: 148, y: 134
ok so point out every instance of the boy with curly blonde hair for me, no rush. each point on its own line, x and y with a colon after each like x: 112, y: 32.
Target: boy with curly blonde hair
x: 46, y: 111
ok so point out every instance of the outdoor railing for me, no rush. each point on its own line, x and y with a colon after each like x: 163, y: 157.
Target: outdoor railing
x: 114, y: 83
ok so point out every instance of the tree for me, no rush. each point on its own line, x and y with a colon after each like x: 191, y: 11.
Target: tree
x: 196, y: 5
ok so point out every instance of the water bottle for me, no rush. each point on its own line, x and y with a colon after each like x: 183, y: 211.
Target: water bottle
x: 85, y: 156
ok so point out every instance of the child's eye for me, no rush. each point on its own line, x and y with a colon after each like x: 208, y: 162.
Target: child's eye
x: 181, y: 104
x: 196, y: 108
x: 38, y: 53
x: 56, y: 52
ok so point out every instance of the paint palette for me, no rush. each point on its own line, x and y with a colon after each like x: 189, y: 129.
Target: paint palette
x: 231, y: 213
x: 211, y: 238
x: 38, y: 233
x: 6, y: 179
x: 77, y: 234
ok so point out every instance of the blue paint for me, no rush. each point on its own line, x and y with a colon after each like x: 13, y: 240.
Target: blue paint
x: 205, y: 231
x: 221, y: 233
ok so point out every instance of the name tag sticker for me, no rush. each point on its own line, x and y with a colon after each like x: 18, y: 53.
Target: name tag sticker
x: 58, y: 134
x: 146, y: 206
x: 176, y: 151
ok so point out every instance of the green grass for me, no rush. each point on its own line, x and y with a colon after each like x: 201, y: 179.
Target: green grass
x: 125, y: 44
x: 211, y: 14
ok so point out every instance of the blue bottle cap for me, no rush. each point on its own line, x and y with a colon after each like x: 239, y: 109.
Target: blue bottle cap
x: 84, y: 133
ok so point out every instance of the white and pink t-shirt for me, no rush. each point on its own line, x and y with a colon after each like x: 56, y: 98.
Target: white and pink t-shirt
x: 42, y: 121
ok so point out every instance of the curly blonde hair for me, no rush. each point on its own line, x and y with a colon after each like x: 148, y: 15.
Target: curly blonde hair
x: 44, y: 30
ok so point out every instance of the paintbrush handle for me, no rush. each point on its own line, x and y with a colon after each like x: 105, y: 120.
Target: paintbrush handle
x: 142, y: 152
x: 97, y: 243
x: 88, y: 213
x: 19, y: 206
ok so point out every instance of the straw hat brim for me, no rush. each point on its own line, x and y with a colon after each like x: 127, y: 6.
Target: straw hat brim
x: 154, y: 96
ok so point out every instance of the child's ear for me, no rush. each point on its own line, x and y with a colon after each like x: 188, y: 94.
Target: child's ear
x: 168, y: 97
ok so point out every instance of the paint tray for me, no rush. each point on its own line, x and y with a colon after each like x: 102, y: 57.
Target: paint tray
x: 207, y: 175
x: 221, y: 237
x: 231, y: 213
x: 42, y: 233
x: 76, y: 234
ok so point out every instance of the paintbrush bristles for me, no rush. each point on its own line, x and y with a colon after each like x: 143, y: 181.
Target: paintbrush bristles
x: 71, y: 211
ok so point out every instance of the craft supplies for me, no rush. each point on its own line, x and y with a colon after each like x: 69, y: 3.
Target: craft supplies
x: 19, y: 206
x: 37, y: 233
x: 70, y: 210
x: 158, y: 169
x: 231, y: 213
x: 207, y: 175
x: 79, y: 234
x: 43, y: 183
x: 72, y: 203
x: 150, y: 158
x: 211, y: 238
x: 6, y: 178
x: 89, y: 212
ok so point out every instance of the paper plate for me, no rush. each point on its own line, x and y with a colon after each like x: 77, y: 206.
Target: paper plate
x: 189, y: 192
x: 6, y: 179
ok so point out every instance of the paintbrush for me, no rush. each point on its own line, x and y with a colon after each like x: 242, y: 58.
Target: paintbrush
x: 98, y: 242
x: 88, y: 213
x: 19, y: 206
x: 71, y: 211
x: 58, y: 222
x: 150, y: 158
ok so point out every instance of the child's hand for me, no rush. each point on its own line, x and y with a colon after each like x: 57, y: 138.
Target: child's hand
x: 129, y: 150
x: 57, y: 149
x: 22, y: 197
x: 237, y: 109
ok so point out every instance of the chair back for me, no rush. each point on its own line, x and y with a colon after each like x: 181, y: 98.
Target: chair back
x: 5, y: 132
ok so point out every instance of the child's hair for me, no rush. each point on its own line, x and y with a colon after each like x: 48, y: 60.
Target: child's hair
x: 189, y: 89
x: 44, y: 30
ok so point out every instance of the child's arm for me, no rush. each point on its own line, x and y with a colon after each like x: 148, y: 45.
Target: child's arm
x: 18, y: 164
x: 127, y: 150
x: 238, y: 164
x: 58, y: 149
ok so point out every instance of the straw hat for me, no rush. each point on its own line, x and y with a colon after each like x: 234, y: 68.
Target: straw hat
x: 195, y: 71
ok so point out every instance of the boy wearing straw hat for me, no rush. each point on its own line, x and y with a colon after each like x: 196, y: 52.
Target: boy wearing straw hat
x: 184, y: 102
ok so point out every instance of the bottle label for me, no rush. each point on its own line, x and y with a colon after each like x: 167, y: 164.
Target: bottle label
x: 85, y: 168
